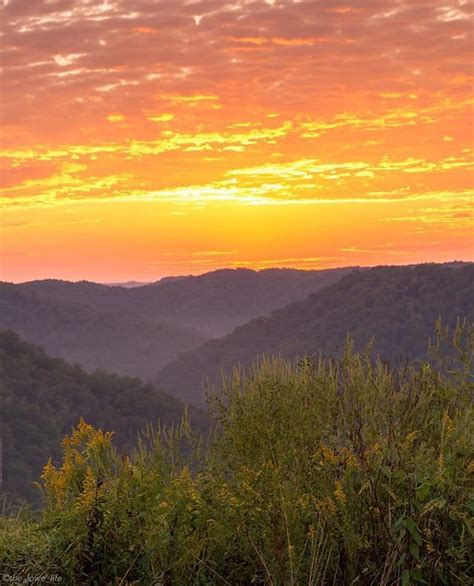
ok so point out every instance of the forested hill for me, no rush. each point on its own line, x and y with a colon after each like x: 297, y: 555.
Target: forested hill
x: 396, y: 305
x: 214, y: 303
x: 136, y: 331
x: 41, y: 398
x: 217, y: 302
x: 105, y: 337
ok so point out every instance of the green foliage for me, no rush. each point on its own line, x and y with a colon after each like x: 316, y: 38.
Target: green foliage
x: 329, y: 471
x: 41, y: 398
x: 395, y: 306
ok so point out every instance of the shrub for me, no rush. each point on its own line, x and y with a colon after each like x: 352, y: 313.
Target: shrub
x: 320, y: 471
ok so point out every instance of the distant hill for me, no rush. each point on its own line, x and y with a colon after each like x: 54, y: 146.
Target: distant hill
x: 396, y: 305
x: 136, y: 331
x: 128, y: 284
x: 217, y: 302
x: 95, y: 336
x: 213, y: 303
x: 41, y: 398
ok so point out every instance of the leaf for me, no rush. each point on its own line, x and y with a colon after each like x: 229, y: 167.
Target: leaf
x: 406, y: 578
x: 417, y: 537
x: 414, y: 531
x: 422, y: 492
x: 415, y: 551
x: 399, y: 521
x: 437, y: 503
x: 390, y: 492
x: 411, y: 525
x: 416, y: 573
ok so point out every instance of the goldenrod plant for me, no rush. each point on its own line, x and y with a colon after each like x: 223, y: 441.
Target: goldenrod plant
x: 319, y: 471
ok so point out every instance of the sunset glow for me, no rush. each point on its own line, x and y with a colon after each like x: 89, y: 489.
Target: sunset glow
x: 151, y: 137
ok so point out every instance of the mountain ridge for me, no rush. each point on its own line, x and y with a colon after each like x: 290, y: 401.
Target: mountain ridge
x: 136, y: 331
x: 78, y: 332
x: 397, y: 305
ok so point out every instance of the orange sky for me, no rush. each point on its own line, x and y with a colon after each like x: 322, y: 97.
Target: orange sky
x: 143, y: 138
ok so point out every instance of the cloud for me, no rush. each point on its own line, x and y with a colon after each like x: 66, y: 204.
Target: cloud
x: 451, y: 215
x: 195, y: 47
x: 166, y: 117
x: 254, y: 101
x: 211, y: 253
x: 301, y: 181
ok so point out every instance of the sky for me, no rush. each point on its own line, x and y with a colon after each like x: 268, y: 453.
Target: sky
x: 143, y: 138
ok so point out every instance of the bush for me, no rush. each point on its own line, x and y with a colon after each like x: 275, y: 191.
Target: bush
x: 319, y: 472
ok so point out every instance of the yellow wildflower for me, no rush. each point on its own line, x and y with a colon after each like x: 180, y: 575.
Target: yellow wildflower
x: 411, y: 436
x: 340, y: 494
x: 328, y: 454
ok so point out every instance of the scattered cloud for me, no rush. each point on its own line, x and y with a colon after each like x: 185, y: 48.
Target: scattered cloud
x: 166, y: 117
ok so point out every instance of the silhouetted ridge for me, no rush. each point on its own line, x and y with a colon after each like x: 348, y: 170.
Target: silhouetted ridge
x: 398, y: 306
x: 93, y: 336
x: 136, y: 331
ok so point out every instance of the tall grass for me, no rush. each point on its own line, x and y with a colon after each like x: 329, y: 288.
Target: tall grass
x: 321, y: 471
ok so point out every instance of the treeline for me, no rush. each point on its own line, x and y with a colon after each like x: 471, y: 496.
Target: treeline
x: 213, y: 303
x: 107, y: 337
x: 395, y: 307
x: 323, y: 471
x: 42, y: 398
x: 136, y: 331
